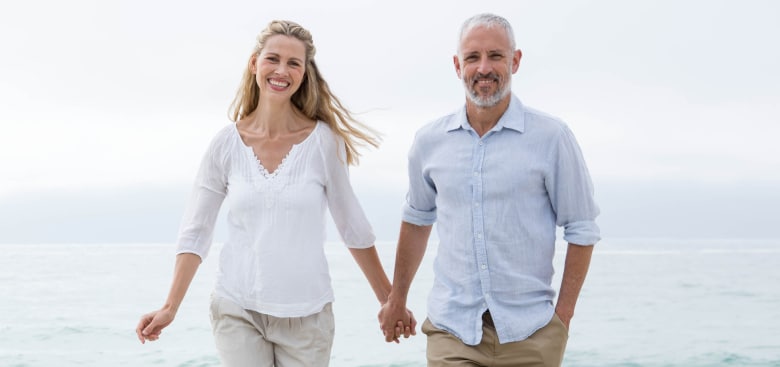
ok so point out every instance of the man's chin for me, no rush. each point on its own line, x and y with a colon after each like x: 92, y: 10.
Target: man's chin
x: 484, y: 102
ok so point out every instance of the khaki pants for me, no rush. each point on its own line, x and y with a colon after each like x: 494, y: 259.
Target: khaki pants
x: 542, y: 349
x: 248, y: 338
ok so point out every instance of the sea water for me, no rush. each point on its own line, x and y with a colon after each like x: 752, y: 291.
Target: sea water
x: 644, y: 303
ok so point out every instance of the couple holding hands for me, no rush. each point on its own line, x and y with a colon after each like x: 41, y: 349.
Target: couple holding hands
x: 498, y: 178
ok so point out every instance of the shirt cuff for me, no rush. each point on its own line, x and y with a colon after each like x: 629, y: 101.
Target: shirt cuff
x: 418, y: 217
x: 582, y: 233
x: 365, y: 242
x: 191, y: 248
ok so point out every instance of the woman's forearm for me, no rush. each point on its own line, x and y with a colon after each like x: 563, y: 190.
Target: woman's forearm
x: 186, y: 266
x: 368, y: 261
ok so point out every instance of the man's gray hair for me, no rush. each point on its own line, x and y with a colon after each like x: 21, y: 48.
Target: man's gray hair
x: 488, y: 20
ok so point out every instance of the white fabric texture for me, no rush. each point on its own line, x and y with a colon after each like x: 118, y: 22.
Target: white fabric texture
x: 273, y: 261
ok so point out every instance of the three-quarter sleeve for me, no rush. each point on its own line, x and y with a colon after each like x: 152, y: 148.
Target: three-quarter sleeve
x: 196, y: 232
x: 347, y: 214
x: 571, y: 191
x: 420, y: 206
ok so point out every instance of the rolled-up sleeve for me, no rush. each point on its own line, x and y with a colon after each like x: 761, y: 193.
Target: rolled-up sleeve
x: 420, y: 206
x: 571, y: 192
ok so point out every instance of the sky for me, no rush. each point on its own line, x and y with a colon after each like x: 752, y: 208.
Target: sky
x: 107, y: 106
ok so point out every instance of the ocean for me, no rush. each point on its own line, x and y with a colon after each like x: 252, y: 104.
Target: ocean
x: 648, y: 303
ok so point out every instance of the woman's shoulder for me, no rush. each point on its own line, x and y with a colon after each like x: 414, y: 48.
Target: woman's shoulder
x: 225, y: 134
x: 322, y: 128
x: 224, y: 140
x: 328, y: 142
x: 326, y: 135
x: 227, y: 131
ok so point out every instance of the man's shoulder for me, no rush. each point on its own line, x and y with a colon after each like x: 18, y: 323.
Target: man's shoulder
x: 439, y: 126
x: 542, y: 122
x: 436, y: 128
x: 540, y: 117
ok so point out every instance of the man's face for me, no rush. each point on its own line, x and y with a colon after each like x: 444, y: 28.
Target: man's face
x: 486, y: 63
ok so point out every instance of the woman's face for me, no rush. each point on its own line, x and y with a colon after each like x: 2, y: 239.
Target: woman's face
x: 280, y: 67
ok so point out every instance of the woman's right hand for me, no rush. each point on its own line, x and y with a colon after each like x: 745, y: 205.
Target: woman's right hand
x: 151, y: 325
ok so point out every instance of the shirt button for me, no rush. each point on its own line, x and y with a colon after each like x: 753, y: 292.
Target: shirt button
x: 480, y: 142
x: 484, y: 266
x: 479, y: 235
x: 476, y: 204
x: 487, y: 296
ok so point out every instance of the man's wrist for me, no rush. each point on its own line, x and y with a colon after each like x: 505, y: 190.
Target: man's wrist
x: 564, y: 312
x: 396, y: 300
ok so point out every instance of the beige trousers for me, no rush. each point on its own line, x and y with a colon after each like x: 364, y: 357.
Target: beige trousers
x: 544, y: 348
x: 247, y: 338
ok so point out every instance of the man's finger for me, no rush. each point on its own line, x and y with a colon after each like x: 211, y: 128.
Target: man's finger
x: 388, y: 335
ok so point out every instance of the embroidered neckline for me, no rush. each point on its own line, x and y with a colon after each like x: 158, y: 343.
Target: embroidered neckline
x: 264, y: 171
x: 280, y: 168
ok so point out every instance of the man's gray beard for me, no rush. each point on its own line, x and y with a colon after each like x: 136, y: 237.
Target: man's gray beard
x: 489, y: 101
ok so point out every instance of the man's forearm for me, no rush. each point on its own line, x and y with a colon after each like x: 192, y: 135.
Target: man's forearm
x: 412, y: 242
x: 574, y: 272
x: 394, y: 318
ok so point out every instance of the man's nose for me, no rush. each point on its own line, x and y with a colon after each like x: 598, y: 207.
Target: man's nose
x: 484, y: 66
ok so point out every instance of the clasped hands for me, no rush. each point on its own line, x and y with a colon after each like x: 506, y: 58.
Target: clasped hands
x: 396, y: 320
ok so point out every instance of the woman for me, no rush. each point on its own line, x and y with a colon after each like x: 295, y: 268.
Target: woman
x: 280, y: 165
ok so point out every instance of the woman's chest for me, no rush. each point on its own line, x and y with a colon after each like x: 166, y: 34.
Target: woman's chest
x: 298, y: 183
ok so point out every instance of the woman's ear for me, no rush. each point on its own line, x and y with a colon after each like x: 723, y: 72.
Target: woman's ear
x: 252, y: 64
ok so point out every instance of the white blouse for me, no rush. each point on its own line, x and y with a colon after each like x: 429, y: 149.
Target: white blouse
x: 274, y: 261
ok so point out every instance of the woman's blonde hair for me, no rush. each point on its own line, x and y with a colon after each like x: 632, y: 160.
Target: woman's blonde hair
x: 313, y: 98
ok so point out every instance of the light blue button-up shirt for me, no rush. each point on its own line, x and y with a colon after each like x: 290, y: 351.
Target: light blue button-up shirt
x: 496, y: 201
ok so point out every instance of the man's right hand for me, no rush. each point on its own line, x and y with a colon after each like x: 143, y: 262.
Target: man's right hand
x: 396, y: 320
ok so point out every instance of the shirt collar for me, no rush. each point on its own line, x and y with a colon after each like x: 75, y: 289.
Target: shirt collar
x: 513, y: 118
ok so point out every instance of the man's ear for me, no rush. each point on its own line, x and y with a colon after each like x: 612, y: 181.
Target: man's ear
x: 456, y: 62
x: 516, y: 56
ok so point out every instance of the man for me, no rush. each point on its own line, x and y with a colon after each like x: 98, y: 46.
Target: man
x: 497, y: 177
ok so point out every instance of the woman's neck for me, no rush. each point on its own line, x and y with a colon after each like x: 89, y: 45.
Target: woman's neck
x: 274, y: 119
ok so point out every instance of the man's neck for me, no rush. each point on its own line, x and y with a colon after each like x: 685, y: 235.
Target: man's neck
x: 482, y: 119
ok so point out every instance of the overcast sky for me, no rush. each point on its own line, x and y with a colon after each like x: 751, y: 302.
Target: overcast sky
x: 107, y: 106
